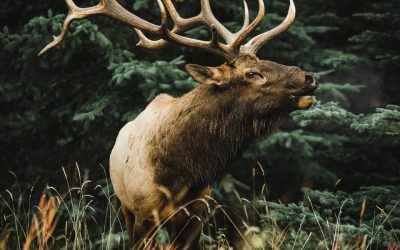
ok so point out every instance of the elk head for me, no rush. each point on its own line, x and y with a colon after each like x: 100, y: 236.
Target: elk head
x: 266, y: 83
x: 288, y: 87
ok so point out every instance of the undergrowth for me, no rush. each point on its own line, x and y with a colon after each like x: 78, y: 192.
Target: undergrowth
x: 83, y: 214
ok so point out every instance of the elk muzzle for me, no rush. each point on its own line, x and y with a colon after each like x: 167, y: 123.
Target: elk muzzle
x: 303, y: 97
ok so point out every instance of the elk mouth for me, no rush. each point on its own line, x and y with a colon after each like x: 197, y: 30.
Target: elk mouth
x: 303, y: 99
x: 303, y: 92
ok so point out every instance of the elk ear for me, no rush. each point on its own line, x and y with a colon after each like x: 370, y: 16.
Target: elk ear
x: 206, y: 75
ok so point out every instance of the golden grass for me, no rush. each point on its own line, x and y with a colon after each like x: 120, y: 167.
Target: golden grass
x: 44, y: 223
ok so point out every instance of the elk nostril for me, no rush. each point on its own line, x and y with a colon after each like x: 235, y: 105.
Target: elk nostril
x: 311, y: 79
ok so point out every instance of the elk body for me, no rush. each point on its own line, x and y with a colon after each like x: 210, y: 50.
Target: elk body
x: 177, y: 147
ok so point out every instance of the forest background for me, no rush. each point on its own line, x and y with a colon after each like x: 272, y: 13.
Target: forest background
x: 329, y: 178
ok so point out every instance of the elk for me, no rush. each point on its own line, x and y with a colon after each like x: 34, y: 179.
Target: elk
x: 179, y: 146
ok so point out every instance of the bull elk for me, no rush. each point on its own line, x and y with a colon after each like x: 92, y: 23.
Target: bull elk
x: 184, y: 144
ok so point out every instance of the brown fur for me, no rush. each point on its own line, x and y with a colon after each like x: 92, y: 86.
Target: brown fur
x: 185, y: 144
x: 200, y: 136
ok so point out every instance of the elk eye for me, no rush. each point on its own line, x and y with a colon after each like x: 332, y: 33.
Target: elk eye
x: 252, y: 74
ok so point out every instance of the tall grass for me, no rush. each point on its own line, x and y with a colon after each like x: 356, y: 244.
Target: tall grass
x: 81, y: 214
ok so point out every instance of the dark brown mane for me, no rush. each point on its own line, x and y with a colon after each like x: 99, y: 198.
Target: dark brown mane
x: 200, y: 138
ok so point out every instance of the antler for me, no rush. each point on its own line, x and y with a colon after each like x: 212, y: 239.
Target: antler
x: 110, y: 8
x: 184, y: 24
x: 233, y: 46
x: 257, y: 42
x: 230, y: 50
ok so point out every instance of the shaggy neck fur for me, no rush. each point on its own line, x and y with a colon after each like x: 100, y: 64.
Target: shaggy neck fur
x: 205, y: 130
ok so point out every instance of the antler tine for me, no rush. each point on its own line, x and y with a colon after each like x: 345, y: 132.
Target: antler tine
x: 74, y: 12
x: 244, y: 33
x: 148, y: 43
x: 246, y: 16
x: 205, y: 17
x: 257, y: 42
x: 182, y: 24
x: 209, y: 18
x: 145, y: 42
x: 212, y: 46
x: 110, y: 8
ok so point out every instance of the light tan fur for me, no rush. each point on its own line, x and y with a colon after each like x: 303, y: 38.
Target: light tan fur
x: 130, y: 168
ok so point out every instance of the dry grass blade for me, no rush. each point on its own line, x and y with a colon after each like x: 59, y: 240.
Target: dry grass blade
x: 5, y: 235
x: 44, y: 223
x: 383, y: 222
x: 319, y: 225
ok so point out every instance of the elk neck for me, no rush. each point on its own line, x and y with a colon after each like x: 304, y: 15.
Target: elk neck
x: 205, y: 130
